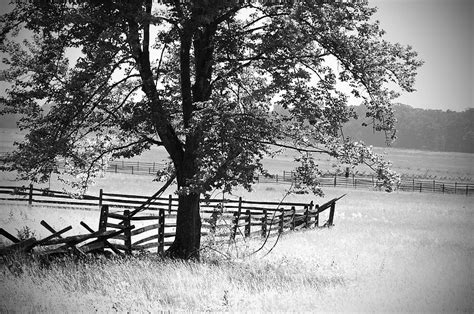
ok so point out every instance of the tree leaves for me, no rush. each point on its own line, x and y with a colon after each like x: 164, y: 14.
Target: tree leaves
x: 201, y: 79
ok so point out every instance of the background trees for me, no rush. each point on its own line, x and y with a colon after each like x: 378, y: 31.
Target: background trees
x: 199, y: 78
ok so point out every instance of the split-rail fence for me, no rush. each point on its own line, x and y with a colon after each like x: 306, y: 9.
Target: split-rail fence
x: 142, y: 223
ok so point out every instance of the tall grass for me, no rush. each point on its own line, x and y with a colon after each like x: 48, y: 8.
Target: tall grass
x: 399, y: 252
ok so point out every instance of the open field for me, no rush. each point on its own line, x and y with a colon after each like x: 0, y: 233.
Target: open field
x: 409, y: 163
x: 399, y: 252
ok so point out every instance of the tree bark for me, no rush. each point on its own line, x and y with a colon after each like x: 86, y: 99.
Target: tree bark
x: 188, y: 229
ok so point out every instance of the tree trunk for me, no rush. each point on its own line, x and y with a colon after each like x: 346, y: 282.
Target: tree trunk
x: 188, y: 229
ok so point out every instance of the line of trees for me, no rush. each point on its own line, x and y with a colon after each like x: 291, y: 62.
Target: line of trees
x: 434, y: 130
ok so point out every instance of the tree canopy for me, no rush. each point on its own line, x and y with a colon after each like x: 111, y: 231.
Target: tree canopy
x: 201, y: 79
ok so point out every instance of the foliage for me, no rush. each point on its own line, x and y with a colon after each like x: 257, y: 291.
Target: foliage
x: 25, y: 233
x: 199, y: 79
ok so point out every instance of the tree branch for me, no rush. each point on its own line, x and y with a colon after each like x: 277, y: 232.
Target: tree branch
x: 299, y: 149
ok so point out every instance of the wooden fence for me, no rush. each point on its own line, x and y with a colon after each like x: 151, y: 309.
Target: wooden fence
x: 155, y: 226
x: 228, y: 220
x: 370, y: 182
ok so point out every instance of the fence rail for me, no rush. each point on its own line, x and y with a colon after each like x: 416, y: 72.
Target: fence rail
x: 155, y: 227
x: 327, y: 180
x: 370, y: 182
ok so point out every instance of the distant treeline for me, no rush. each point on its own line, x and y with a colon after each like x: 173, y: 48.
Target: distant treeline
x: 434, y: 130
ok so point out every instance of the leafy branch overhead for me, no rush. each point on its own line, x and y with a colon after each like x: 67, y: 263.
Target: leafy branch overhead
x: 96, y: 81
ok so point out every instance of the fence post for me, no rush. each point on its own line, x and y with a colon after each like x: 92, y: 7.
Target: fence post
x: 101, y: 192
x: 115, y: 168
x: 138, y: 166
x: 306, y: 217
x: 455, y: 187
x: 413, y: 184
x: 434, y: 185
x: 331, y: 214
x: 316, y: 218
x: 236, y: 219
x: 132, y: 169
x: 277, y: 178
x: 421, y: 186
x: 247, y: 223
x: 104, y: 213
x: 170, y: 204
x: 128, y: 232
x: 293, y: 216
x: 335, y: 176
x: 443, y: 188
x: 264, y: 223
x: 30, y: 195
x: 161, y: 232
x: 282, y: 221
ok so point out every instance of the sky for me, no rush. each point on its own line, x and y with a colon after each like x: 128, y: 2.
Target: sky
x: 442, y: 32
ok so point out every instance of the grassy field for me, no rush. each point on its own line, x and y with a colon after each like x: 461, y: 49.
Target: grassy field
x: 399, y: 252
x: 407, y: 162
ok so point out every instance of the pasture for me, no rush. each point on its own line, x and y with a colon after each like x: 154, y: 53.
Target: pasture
x: 449, y: 166
x: 394, y: 252
x: 388, y: 252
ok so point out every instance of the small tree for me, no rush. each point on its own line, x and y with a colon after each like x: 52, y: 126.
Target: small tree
x: 199, y: 78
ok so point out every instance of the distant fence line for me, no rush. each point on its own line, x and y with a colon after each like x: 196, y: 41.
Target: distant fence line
x: 370, y: 182
x: 327, y: 180
x: 155, y: 227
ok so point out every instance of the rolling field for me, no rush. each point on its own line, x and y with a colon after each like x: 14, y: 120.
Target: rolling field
x: 398, y: 252
x: 410, y: 163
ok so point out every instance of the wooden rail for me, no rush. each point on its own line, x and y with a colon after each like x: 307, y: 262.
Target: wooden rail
x: 222, y: 220
x: 154, y: 226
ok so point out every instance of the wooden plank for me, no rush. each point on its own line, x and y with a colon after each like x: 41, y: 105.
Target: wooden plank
x: 77, y: 238
x: 127, y: 233
x: 104, y: 236
x: 152, y: 237
x: 161, y: 230
x: 7, y: 235
x: 22, y: 246
x: 116, y: 226
x: 116, y: 216
x: 145, y: 246
x: 54, y: 235
x: 107, y: 243
x: 104, y: 214
x: 144, y: 229
x: 95, y: 246
x: 145, y: 218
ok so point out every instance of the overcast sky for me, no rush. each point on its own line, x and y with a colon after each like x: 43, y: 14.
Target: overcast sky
x: 442, y: 32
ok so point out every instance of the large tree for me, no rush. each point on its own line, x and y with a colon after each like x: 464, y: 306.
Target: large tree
x: 201, y: 79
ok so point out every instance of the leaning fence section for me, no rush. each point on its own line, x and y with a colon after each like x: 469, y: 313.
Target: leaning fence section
x: 128, y: 226
x: 222, y: 220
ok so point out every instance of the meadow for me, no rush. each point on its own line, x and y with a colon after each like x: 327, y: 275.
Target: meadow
x: 397, y: 252
x: 392, y: 252
x: 450, y: 166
